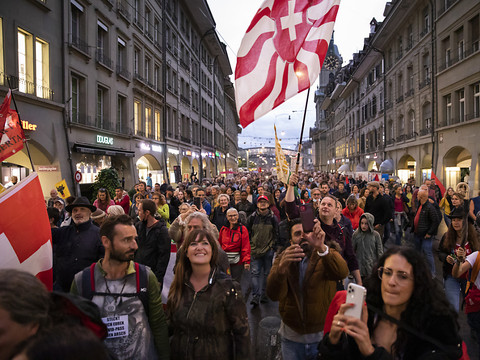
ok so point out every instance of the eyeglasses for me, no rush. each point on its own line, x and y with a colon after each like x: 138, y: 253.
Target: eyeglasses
x: 232, y: 215
x: 316, y: 194
x: 401, y: 277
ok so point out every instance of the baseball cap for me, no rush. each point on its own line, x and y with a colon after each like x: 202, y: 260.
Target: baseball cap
x: 262, y: 197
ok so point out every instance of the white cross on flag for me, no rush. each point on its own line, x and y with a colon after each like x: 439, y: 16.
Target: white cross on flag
x: 281, y: 53
x: 25, y: 235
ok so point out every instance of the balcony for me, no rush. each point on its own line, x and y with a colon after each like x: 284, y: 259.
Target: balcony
x: 28, y: 87
x: 390, y: 142
x: 140, y: 133
x: 446, y: 6
x: 184, y: 99
x: 185, y: 139
x: 123, y: 10
x: 138, y: 77
x: 409, y: 93
x: 104, y: 59
x: 185, y: 64
x: 400, y: 138
x: 424, y: 32
x: 424, y: 83
x: 399, y: 99
x: 80, y: 44
x: 123, y: 72
x: 138, y: 22
x: 426, y: 131
x: 209, y: 145
x: 410, y: 136
x: 388, y: 105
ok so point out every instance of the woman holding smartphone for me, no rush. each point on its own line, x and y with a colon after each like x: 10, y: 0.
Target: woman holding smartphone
x: 408, y: 316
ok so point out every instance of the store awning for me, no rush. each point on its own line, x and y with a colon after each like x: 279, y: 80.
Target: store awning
x: 344, y: 168
x: 386, y: 167
x: 87, y: 149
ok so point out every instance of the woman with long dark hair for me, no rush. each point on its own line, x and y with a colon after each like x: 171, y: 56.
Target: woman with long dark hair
x: 460, y: 234
x: 406, y: 315
x: 207, y: 314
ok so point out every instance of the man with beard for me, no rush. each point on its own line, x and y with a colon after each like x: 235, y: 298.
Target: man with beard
x: 134, y: 332
x: 303, y: 279
x: 75, y: 246
x: 153, y: 241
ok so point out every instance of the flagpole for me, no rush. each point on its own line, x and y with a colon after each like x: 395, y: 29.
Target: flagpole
x: 20, y: 124
x: 301, y: 133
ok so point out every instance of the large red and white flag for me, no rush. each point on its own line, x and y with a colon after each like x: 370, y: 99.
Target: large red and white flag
x: 25, y: 235
x: 11, y: 132
x: 281, y: 54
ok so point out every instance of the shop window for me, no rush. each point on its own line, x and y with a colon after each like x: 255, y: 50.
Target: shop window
x: 91, y: 165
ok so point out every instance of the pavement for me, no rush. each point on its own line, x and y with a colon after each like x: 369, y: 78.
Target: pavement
x: 270, y: 345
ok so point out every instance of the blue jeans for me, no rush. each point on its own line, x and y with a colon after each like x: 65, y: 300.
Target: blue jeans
x: 454, y: 288
x: 425, y: 245
x: 292, y: 350
x: 259, y: 279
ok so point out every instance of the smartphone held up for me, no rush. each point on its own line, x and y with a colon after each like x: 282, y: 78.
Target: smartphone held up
x: 355, y: 295
x: 307, y: 216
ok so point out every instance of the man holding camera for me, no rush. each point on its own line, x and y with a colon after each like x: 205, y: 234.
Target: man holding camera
x: 303, y: 279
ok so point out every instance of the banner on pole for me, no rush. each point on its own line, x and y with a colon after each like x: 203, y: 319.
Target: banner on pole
x: 26, y: 242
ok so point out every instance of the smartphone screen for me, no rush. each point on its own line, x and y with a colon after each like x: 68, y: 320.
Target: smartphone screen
x: 196, y: 202
x: 307, y: 217
x: 355, y: 295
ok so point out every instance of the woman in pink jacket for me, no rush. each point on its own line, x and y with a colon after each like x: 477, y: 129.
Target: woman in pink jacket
x: 235, y: 241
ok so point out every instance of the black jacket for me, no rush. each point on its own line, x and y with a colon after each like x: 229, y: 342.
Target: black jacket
x: 380, y: 208
x: 219, y: 218
x: 74, y: 248
x: 154, y: 247
x: 428, y: 221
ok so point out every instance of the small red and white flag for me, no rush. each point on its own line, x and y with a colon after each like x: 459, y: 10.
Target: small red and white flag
x: 26, y: 241
x: 438, y: 183
x: 11, y: 132
x: 281, y: 53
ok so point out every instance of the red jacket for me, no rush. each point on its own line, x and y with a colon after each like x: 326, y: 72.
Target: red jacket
x: 124, y: 202
x: 353, y: 217
x: 236, y: 240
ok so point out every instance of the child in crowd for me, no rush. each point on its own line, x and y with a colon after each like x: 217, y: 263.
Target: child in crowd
x: 367, y: 245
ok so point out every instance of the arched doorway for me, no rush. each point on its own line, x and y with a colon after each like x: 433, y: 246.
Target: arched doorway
x: 220, y: 165
x: 186, y: 168
x: 426, y: 167
x: 406, y: 168
x: 195, y: 165
x: 211, y: 170
x: 204, y: 167
x: 457, y: 162
x: 148, y: 164
x: 171, y: 162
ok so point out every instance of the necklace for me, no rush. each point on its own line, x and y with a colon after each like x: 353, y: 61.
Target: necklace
x: 112, y: 306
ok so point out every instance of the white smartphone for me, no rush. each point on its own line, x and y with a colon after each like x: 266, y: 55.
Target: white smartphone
x: 355, y: 295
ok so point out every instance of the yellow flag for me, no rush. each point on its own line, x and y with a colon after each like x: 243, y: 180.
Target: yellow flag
x: 283, y: 170
x: 62, y: 189
x: 2, y: 188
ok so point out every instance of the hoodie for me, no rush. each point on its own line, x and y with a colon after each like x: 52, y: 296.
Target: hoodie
x: 367, y: 245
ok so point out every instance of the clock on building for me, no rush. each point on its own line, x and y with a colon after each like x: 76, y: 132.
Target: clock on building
x: 331, y: 62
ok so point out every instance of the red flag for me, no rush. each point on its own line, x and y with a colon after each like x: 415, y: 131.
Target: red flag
x: 11, y: 132
x: 281, y: 53
x: 375, y: 178
x: 439, y: 183
x: 346, y: 180
x: 26, y: 246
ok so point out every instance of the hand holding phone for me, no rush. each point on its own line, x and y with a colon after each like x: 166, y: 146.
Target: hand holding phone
x: 355, y: 295
x: 307, y: 217
x: 196, y: 202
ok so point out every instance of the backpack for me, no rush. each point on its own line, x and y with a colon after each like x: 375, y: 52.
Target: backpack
x: 141, y: 274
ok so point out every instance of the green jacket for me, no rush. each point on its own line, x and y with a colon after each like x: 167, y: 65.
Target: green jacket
x: 263, y: 231
x: 211, y: 323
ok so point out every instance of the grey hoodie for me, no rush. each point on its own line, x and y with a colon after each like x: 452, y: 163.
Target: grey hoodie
x: 367, y: 245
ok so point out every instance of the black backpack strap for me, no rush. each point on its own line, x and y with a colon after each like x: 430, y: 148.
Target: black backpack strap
x: 88, y: 282
x: 142, y: 285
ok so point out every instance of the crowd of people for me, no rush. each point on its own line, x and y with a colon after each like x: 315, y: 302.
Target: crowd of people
x: 161, y: 269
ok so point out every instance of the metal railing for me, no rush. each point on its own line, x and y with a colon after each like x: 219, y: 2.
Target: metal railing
x: 103, y: 59
x: 425, y: 131
x: 123, y: 10
x: 122, y: 71
x: 28, y: 87
x: 80, y: 44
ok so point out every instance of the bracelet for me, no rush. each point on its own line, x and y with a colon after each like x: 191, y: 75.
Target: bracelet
x: 324, y: 253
